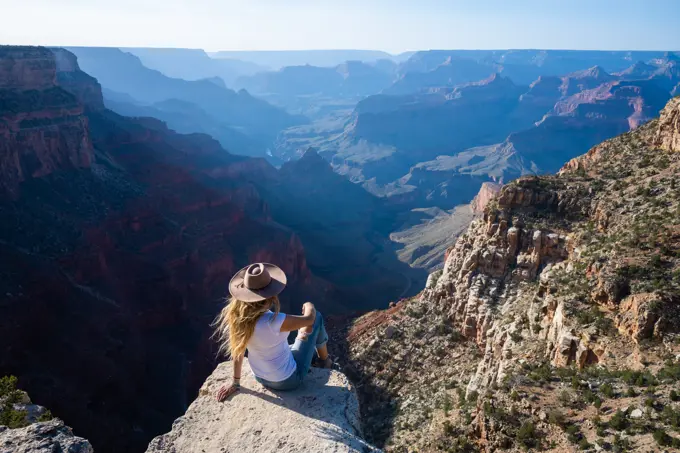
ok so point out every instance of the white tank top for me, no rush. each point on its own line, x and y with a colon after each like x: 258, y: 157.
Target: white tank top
x: 268, y: 351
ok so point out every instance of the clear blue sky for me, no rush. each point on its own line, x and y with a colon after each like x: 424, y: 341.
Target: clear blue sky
x: 391, y: 25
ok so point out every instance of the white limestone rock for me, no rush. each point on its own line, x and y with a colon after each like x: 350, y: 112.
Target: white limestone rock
x: 321, y: 416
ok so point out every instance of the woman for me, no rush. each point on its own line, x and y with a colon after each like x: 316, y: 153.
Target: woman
x: 251, y: 321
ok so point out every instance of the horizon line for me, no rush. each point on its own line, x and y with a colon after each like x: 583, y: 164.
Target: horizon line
x: 209, y: 51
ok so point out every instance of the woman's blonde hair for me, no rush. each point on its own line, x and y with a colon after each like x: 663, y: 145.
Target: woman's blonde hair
x: 236, y: 323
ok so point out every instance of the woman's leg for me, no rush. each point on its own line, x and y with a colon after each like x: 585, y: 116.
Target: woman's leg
x: 307, y: 343
x: 291, y: 383
x: 321, y: 340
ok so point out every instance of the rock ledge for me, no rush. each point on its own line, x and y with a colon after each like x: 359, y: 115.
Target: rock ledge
x: 321, y: 416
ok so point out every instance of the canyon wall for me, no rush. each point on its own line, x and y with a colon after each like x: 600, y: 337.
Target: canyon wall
x: 568, y: 285
x: 43, y: 128
x: 118, y: 239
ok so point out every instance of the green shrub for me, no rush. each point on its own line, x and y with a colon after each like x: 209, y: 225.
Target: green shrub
x: 649, y: 402
x: 620, y: 445
x: 446, y: 405
x: 540, y: 373
x: 9, y: 416
x: 589, y: 396
x: 662, y: 438
x: 461, y: 397
x: 516, y: 336
x: 448, y: 428
x: 598, y: 404
x: 618, y: 421
x: 565, y: 397
x: 607, y: 390
x: 8, y: 384
x: 670, y: 371
x: 674, y: 396
x: 638, y: 378
x: 556, y: 417
x: 46, y: 416
x: 13, y: 418
x: 574, y: 434
x: 671, y: 416
x: 527, y: 435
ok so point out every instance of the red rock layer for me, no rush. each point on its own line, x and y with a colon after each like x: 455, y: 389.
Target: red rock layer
x: 42, y: 126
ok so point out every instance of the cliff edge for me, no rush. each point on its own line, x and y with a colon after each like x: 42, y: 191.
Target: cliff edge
x: 321, y: 416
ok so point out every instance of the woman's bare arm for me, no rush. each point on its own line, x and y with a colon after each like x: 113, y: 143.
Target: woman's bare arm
x: 293, y: 322
x: 229, y: 389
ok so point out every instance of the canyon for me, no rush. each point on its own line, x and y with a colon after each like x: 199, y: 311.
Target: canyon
x: 119, y: 238
x: 133, y: 187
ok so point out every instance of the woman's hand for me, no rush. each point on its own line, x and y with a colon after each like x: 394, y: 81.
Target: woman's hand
x: 308, y: 308
x: 293, y: 322
x: 226, y: 391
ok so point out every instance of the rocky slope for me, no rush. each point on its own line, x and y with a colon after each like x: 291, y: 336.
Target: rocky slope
x: 321, y: 416
x: 554, y: 323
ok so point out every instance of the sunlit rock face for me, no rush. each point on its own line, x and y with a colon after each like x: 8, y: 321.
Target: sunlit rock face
x: 43, y: 128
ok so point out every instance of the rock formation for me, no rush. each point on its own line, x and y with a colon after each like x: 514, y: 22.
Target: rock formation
x: 487, y: 193
x: 42, y: 437
x: 668, y: 136
x: 554, y: 311
x: 43, y: 127
x: 321, y: 416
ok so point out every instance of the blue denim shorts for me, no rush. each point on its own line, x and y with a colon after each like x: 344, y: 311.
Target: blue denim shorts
x: 303, y: 352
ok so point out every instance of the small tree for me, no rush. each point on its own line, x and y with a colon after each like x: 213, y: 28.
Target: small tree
x: 674, y: 396
x: 526, y: 435
x: 618, y: 421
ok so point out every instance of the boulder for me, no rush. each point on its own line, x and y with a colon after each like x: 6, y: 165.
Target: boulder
x: 321, y: 416
x: 636, y: 413
x: 44, y: 437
